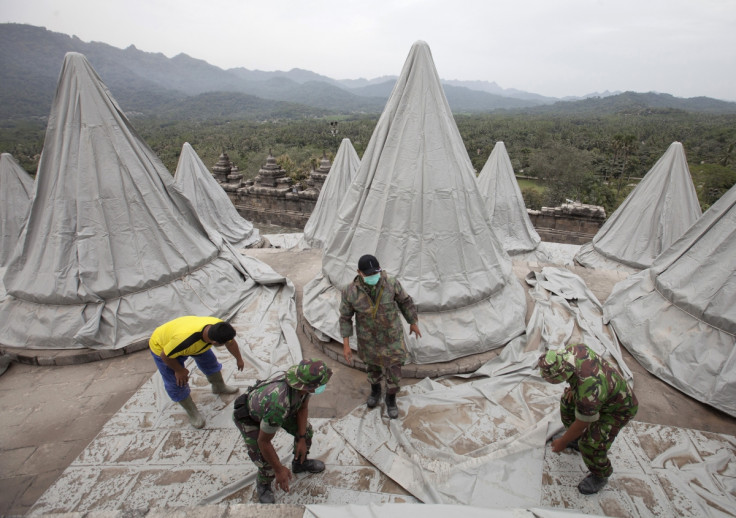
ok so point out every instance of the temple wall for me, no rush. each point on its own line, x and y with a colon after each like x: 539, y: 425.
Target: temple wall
x: 566, y: 224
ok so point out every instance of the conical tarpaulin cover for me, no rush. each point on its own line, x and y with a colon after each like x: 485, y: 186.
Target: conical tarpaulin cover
x: 656, y: 213
x: 16, y: 188
x: 415, y: 205
x: 509, y: 218
x: 319, y: 226
x: 111, y: 249
x: 678, y: 317
x: 211, y: 201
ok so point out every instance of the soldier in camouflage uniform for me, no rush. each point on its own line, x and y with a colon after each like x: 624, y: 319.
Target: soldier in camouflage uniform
x: 282, y: 402
x: 375, y: 298
x: 594, y: 407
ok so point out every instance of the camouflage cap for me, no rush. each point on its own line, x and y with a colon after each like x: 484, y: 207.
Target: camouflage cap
x: 308, y: 374
x: 556, y: 366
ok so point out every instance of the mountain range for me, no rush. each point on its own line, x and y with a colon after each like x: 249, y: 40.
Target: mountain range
x: 183, y: 87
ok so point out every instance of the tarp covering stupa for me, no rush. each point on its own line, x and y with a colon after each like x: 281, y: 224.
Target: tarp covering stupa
x: 211, y: 202
x: 16, y: 187
x: 344, y: 166
x: 415, y: 205
x: 654, y: 215
x: 509, y: 218
x: 678, y: 317
x: 111, y: 248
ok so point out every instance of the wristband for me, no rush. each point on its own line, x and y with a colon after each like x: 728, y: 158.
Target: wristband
x: 302, y: 436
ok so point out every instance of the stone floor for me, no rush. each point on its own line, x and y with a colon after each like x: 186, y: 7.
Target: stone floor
x: 51, y: 413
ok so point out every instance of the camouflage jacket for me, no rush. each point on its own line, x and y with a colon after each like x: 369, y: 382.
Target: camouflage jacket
x: 596, y: 387
x: 272, y: 403
x: 377, y: 322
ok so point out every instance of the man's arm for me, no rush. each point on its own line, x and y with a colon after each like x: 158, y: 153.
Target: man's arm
x: 232, y: 347
x: 283, y: 474
x: 181, y: 372
x: 576, y: 430
x: 300, y: 454
x: 346, y: 326
x: 407, y: 307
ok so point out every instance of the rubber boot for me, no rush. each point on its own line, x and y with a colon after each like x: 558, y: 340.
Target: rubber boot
x: 311, y: 465
x: 218, y: 385
x: 374, y: 396
x: 195, y: 418
x: 391, y: 408
x: 592, y: 484
x: 265, y: 493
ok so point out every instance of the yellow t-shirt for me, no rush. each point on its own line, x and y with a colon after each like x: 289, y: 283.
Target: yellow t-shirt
x: 181, y: 336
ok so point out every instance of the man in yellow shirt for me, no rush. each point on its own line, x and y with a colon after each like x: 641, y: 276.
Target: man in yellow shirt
x: 173, y: 342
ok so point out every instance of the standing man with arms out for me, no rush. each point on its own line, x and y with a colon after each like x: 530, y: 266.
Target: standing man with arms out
x: 280, y: 403
x: 374, y: 297
x: 173, y: 342
x: 594, y: 407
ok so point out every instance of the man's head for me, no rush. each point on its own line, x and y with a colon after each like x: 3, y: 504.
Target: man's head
x: 368, y: 265
x: 556, y: 366
x: 220, y: 333
x: 308, y: 375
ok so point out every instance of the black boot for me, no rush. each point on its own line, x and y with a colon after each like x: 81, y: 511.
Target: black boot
x: 265, y: 493
x: 592, y: 484
x: 311, y: 465
x: 391, y: 408
x: 375, y: 395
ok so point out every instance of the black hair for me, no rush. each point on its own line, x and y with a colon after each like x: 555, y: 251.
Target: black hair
x: 222, y: 332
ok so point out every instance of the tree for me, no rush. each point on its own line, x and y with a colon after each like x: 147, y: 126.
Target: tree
x: 567, y: 172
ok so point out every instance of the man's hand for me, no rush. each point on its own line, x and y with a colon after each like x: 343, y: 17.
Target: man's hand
x: 414, y: 328
x: 559, y: 444
x: 234, y: 350
x: 300, y: 452
x: 182, y: 376
x: 346, y: 352
x: 283, y: 476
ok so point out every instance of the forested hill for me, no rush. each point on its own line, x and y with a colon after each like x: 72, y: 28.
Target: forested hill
x: 183, y: 87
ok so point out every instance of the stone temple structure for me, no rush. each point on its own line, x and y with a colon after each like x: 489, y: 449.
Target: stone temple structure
x: 316, y: 179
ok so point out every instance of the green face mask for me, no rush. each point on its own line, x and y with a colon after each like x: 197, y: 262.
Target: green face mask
x: 372, y: 280
x: 320, y: 389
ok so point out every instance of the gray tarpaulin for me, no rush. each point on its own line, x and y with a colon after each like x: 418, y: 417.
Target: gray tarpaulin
x: 435, y: 511
x: 16, y: 188
x: 111, y: 248
x: 482, y: 443
x: 146, y: 457
x: 211, y: 202
x: 654, y: 215
x: 415, y: 205
x: 678, y: 317
x: 319, y: 226
x: 509, y: 218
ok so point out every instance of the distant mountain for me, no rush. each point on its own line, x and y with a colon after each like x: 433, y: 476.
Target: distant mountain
x: 493, y: 88
x: 152, y: 84
x: 639, y: 103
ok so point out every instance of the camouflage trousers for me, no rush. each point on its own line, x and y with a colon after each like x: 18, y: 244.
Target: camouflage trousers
x: 392, y: 373
x: 599, y: 435
x: 249, y: 429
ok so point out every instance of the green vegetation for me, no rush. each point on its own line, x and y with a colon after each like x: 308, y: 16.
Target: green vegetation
x: 593, y: 159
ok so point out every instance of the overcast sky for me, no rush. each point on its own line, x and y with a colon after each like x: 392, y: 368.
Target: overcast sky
x: 551, y: 47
